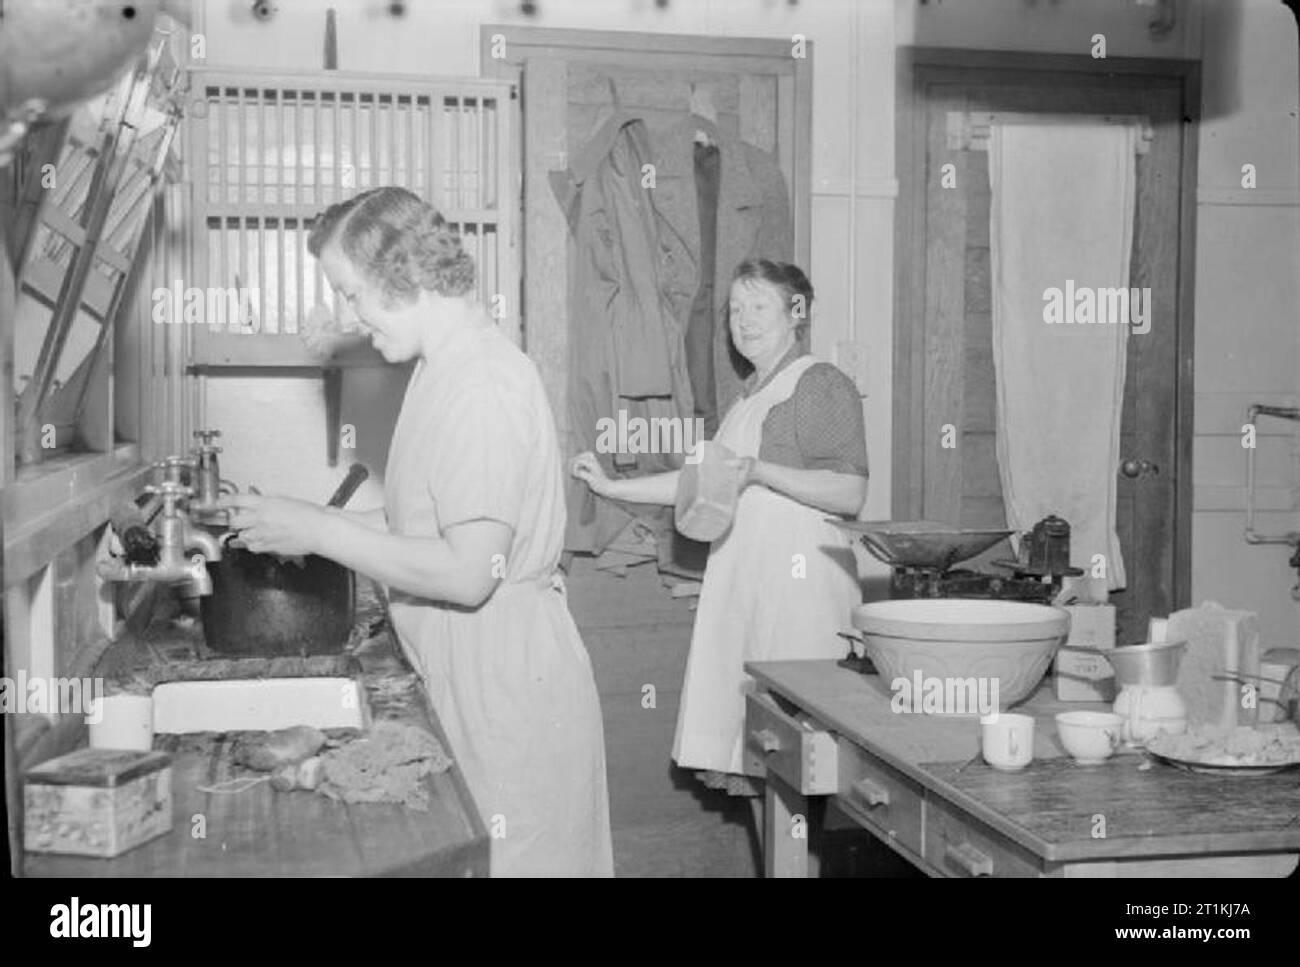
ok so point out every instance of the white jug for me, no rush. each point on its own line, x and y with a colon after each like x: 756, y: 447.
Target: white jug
x: 1148, y: 710
x: 1148, y: 700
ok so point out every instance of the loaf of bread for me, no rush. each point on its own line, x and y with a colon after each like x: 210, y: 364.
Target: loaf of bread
x: 1221, y: 643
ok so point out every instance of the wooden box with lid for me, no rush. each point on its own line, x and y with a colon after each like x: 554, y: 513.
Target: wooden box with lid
x: 97, y: 802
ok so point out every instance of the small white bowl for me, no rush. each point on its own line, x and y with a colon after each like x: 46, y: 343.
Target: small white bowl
x: 1090, y: 737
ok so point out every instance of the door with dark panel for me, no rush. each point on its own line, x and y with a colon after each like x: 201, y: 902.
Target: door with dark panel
x: 957, y: 381
x: 759, y: 91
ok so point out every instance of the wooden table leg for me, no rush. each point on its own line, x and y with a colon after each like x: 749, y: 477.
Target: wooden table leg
x: 785, y: 830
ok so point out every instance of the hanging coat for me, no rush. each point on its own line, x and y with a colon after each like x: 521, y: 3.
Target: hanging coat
x: 753, y: 222
x: 636, y: 258
x: 626, y: 353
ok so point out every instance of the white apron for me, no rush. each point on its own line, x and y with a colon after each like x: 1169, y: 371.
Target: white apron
x: 778, y: 586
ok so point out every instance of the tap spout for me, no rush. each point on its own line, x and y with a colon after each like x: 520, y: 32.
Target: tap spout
x: 191, y: 573
x: 205, y: 543
x: 183, y: 550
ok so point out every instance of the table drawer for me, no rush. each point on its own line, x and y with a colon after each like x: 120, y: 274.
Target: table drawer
x: 801, y: 754
x: 958, y: 845
x: 871, y: 790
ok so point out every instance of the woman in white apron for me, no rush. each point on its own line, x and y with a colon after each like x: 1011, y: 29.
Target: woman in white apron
x: 781, y: 583
x: 468, y: 540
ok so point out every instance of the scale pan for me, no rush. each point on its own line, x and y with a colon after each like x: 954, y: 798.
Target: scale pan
x: 921, y: 543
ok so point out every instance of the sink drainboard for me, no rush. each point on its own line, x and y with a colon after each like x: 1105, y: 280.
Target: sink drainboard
x: 256, y: 705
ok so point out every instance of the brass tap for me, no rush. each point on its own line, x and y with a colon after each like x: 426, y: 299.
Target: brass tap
x: 208, y: 485
x: 184, y: 551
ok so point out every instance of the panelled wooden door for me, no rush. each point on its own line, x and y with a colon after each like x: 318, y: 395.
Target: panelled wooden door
x: 948, y: 363
x: 759, y: 91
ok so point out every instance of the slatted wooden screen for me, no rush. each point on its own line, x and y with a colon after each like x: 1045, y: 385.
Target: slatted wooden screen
x: 271, y: 151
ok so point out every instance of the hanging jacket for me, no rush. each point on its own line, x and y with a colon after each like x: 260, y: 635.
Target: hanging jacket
x: 635, y: 255
x: 626, y: 351
x: 753, y: 222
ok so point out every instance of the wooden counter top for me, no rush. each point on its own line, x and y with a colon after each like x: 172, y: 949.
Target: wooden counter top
x: 260, y: 832
x: 1050, y: 808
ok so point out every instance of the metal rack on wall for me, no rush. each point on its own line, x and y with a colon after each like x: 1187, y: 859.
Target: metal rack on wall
x: 268, y: 151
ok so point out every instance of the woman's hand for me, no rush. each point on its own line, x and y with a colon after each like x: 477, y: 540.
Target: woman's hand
x: 653, y: 488
x: 587, y: 468
x: 277, y: 525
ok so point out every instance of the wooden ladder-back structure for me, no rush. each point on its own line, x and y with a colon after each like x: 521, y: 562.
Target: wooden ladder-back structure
x: 81, y: 221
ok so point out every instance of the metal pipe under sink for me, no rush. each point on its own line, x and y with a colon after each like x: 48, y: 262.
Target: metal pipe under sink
x: 1253, y: 536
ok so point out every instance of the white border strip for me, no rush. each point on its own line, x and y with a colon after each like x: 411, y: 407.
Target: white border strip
x: 1236, y: 197
x: 865, y: 187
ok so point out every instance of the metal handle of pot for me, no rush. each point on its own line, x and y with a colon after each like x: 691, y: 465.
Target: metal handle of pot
x: 232, y: 539
x: 357, y: 475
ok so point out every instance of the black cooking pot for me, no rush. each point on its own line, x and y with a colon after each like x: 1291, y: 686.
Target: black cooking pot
x: 265, y: 605
x: 262, y: 604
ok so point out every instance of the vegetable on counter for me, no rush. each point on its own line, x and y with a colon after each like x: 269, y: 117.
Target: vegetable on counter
x: 274, y: 751
x: 285, y: 778
x: 310, y: 772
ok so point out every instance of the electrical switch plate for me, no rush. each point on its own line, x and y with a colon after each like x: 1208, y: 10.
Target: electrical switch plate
x: 851, y: 356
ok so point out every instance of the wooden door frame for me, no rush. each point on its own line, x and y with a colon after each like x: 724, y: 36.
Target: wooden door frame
x: 918, y: 68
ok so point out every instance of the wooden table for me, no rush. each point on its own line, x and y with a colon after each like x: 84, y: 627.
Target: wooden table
x: 264, y: 833
x: 918, y: 783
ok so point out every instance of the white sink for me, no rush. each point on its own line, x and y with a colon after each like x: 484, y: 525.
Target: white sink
x: 258, y: 705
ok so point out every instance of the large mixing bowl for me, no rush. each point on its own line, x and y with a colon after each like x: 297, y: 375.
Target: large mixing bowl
x: 956, y: 639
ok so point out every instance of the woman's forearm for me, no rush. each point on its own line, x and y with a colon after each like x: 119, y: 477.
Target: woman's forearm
x: 375, y: 520
x: 655, y: 488
x: 828, y: 490
x: 463, y: 571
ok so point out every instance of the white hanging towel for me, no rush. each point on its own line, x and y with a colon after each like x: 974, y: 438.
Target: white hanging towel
x: 1061, y: 233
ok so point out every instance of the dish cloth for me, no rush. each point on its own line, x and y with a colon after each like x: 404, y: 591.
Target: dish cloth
x: 387, y: 765
x: 1061, y: 217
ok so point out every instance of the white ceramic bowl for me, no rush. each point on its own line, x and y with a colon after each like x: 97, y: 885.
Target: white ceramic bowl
x: 1011, y: 642
x: 1091, y: 737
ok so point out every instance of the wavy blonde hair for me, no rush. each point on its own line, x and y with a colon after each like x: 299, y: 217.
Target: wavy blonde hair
x: 397, y: 240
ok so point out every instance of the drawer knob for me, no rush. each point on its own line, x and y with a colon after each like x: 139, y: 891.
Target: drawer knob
x: 969, y: 860
x: 872, y: 792
x: 766, y: 740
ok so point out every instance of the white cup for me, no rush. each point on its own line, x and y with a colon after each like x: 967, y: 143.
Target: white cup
x: 1007, y: 740
x: 123, y: 722
x: 1091, y: 737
